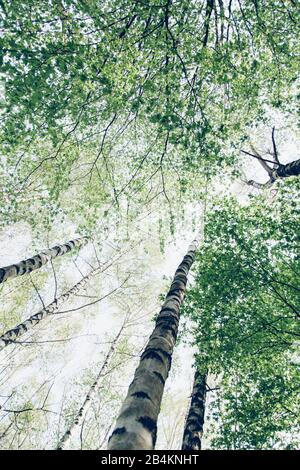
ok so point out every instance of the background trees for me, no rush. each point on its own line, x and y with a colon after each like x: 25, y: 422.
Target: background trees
x: 136, y: 426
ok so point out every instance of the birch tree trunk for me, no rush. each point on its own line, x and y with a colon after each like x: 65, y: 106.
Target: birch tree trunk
x: 282, y: 171
x: 90, y: 396
x: 193, y: 429
x: 289, y: 169
x: 37, y: 261
x: 136, y: 425
x: 11, y: 335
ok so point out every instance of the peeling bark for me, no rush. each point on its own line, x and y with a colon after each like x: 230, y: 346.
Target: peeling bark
x: 11, y: 335
x: 63, y: 443
x: 193, y: 429
x: 37, y: 261
x: 136, y: 425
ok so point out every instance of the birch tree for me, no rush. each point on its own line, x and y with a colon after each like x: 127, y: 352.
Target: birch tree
x: 37, y: 261
x: 137, y: 422
x: 193, y: 428
x: 94, y: 389
x: 13, y: 334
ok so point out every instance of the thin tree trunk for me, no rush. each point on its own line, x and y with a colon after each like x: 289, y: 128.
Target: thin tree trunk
x: 136, y: 425
x: 193, y: 429
x: 11, y: 335
x: 90, y: 396
x: 209, y: 10
x: 37, y: 261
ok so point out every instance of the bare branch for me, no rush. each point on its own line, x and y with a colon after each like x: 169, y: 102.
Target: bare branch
x: 257, y: 156
x: 275, y: 148
x: 37, y: 291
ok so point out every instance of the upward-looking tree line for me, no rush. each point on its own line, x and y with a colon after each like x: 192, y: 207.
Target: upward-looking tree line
x: 129, y: 127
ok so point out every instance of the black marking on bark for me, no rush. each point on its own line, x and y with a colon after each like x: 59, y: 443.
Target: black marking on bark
x: 151, y: 354
x: 118, y: 431
x: 189, y: 259
x: 168, y: 318
x: 179, y: 283
x: 173, y: 312
x: 194, y: 413
x: 164, y: 325
x: 160, y: 377
x: 196, y: 443
x: 147, y: 422
x: 32, y: 260
x: 175, y: 292
x: 150, y: 425
x: 154, y: 353
x: 167, y: 321
x: 141, y: 394
x: 181, y: 277
x: 165, y: 354
x: 2, y: 274
x: 182, y: 272
x: 168, y: 312
x: 173, y: 332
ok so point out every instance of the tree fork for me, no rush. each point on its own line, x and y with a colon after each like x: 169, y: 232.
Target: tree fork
x: 289, y: 169
x: 277, y: 170
x: 31, y: 264
x: 136, y: 425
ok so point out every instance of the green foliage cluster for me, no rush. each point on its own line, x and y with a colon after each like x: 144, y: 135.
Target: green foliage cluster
x: 245, y: 307
x: 183, y: 77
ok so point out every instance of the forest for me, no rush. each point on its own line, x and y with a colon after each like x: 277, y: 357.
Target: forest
x: 149, y: 225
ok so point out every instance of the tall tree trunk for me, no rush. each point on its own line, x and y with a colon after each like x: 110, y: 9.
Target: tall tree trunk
x: 11, y: 335
x: 193, y: 429
x: 90, y: 396
x: 209, y: 10
x: 136, y: 425
x: 37, y: 261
